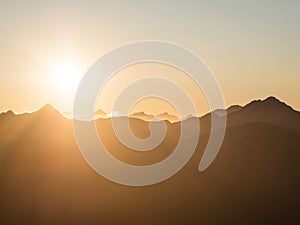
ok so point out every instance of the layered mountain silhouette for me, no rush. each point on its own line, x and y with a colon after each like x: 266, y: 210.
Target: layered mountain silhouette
x: 100, y: 114
x: 148, y: 118
x: 254, y: 179
x: 270, y: 110
x: 231, y: 109
x: 142, y: 116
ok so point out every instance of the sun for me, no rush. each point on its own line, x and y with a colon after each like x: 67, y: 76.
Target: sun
x: 66, y: 77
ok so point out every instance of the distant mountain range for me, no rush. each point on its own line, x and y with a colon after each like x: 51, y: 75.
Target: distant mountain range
x: 148, y: 118
x: 254, y: 179
x: 257, y: 110
x: 100, y: 114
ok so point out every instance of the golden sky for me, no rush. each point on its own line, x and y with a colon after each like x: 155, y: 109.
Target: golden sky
x: 251, y: 46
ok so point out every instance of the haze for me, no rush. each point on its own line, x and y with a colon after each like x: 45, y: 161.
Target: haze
x: 251, y: 46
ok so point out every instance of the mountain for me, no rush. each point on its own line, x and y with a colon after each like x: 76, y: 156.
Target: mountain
x: 100, y: 112
x: 269, y: 110
x: 166, y: 116
x: 148, y: 118
x: 231, y: 109
x: 6, y: 115
x: 254, y: 179
x: 47, y: 111
x: 142, y: 116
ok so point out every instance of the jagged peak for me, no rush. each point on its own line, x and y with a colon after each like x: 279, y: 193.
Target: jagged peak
x: 270, y: 102
x: 165, y: 114
x: 140, y: 113
x: 8, y: 113
x: 48, y: 109
x: 271, y: 99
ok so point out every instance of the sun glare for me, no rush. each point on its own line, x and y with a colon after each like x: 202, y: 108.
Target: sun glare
x: 66, y: 77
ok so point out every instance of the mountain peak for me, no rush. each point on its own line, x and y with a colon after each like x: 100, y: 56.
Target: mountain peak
x: 167, y: 116
x: 141, y: 115
x: 147, y: 117
x: 272, y: 99
x: 163, y: 114
x: 48, y: 110
x: 270, y: 103
x: 100, y: 112
x: 7, y: 114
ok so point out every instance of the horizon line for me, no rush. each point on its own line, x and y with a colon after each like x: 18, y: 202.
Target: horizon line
x: 154, y: 115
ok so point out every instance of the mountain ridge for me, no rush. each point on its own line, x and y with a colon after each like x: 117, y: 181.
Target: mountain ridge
x: 271, y: 103
x: 45, y: 180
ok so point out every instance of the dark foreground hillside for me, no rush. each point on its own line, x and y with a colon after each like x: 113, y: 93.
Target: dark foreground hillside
x: 254, y: 179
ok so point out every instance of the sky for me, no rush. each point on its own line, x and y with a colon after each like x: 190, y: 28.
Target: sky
x: 251, y: 46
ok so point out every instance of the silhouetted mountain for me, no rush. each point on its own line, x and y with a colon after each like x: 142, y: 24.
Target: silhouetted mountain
x: 142, y: 116
x: 148, y: 118
x: 254, y: 179
x: 270, y: 103
x: 100, y: 112
x: 47, y: 111
x: 166, y: 116
x: 7, y: 114
x: 234, y: 108
x: 231, y: 109
x: 270, y: 110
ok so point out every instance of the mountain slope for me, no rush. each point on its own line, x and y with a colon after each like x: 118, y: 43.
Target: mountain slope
x: 253, y: 180
x: 269, y: 110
